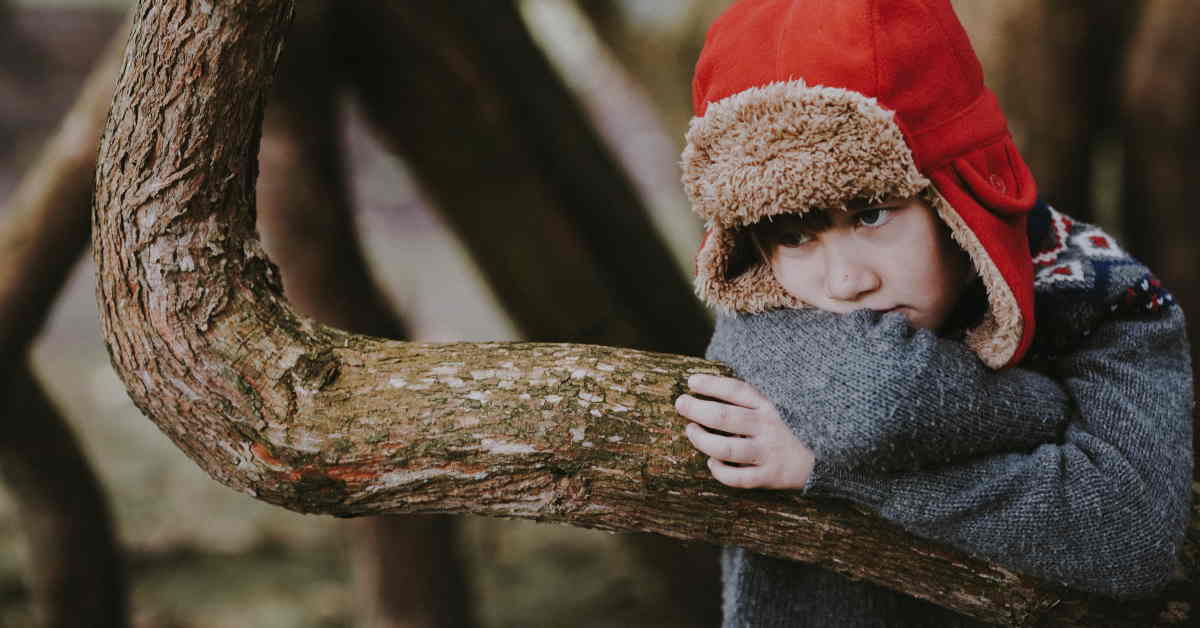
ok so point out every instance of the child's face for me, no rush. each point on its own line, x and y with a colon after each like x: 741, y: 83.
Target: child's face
x: 894, y: 255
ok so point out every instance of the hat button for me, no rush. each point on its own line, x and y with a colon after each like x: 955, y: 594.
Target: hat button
x: 997, y: 183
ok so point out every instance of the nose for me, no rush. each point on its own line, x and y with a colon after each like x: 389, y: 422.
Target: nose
x: 848, y: 276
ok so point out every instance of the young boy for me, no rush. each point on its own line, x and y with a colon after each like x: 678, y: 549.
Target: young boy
x: 877, y: 247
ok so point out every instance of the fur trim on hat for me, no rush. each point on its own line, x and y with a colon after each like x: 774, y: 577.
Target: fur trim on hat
x: 788, y: 147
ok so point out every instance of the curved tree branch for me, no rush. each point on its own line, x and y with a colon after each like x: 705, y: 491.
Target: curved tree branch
x: 406, y: 570
x: 318, y: 420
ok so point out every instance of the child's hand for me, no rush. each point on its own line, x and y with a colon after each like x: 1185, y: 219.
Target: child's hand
x: 762, y: 449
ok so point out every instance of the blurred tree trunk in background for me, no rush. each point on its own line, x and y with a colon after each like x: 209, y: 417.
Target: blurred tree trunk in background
x: 500, y: 145
x: 658, y: 42
x: 1055, y: 67
x: 513, y: 164
x: 1162, y: 129
x: 407, y: 570
x: 76, y: 572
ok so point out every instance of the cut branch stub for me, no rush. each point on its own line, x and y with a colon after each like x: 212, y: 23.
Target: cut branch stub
x: 318, y: 420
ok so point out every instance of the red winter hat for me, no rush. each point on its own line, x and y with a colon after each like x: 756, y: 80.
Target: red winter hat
x: 808, y: 104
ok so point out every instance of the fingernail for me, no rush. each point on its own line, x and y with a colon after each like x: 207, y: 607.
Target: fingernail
x: 694, y: 379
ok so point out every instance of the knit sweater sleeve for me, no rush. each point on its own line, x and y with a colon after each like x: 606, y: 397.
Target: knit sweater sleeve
x: 869, y: 390
x: 1106, y: 508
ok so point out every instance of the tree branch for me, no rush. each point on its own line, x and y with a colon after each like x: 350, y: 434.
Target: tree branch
x: 405, y: 569
x: 318, y: 420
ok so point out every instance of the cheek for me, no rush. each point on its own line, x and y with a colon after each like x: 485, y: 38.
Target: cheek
x: 944, y: 277
x: 797, y: 278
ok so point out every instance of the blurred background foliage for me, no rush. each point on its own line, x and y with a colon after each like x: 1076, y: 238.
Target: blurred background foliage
x: 1089, y: 113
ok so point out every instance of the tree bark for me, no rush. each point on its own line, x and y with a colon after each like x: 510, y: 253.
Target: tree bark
x: 77, y: 576
x: 405, y: 568
x: 1161, y: 127
x: 319, y: 420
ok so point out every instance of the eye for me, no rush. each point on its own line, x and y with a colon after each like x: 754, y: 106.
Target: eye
x: 875, y: 217
x: 792, y: 239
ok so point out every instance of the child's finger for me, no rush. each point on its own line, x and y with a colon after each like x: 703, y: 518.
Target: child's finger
x: 714, y: 414
x: 737, y: 477
x: 726, y: 448
x: 727, y: 389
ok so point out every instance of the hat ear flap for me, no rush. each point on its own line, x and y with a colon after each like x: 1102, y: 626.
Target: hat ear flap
x: 998, y: 178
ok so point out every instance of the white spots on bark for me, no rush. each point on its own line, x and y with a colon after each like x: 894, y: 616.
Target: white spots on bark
x: 619, y: 408
x: 455, y: 382
x: 605, y: 367
x: 401, y: 478
x: 789, y: 515
x: 306, y: 441
x: 595, y: 413
x: 480, y: 396
x: 577, y: 433
x: 396, y: 381
x: 532, y: 504
x: 182, y: 387
x: 505, y: 448
x: 240, y: 454
x: 524, y: 396
x: 552, y: 399
x: 614, y: 439
x: 444, y: 370
x: 291, y: 355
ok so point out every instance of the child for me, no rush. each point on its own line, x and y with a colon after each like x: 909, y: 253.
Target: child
x: 877, y: 247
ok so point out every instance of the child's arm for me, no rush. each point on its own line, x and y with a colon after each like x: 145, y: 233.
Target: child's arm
x: 868, y: 389
x: 1106, y: 509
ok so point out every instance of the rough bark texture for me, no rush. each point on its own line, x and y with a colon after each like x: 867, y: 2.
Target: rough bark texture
x: 76, y: 573
x: 318, y: 420
x: 1162, y: 124
x: 405, y: 568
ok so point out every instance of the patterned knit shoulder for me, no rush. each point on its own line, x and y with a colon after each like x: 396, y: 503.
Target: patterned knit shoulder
x: 1081, y: 278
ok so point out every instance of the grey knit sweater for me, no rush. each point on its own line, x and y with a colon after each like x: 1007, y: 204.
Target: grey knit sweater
x: 1074, y: 466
